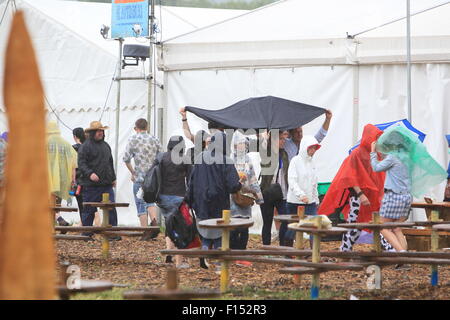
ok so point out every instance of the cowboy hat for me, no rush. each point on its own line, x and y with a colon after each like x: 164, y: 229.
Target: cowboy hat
x: 96, y: 125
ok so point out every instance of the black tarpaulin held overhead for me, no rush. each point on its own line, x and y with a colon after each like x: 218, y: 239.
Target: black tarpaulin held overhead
x: 261, y: 113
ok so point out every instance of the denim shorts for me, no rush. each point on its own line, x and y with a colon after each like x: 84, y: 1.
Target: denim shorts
x: 310, y: 208
x: 141, y: 205
x: 169, y: 203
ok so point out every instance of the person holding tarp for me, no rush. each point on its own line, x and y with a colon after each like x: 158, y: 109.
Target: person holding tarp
x: 240, y: 209
x: 303, y: 180
x: 356, y: 189
x: 213, y: 179
x: 410, y: 171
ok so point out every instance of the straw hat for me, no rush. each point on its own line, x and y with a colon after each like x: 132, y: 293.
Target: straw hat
x: 96, y: 125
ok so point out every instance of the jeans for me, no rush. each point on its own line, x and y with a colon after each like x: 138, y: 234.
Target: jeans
x: 310, y: 210
x: 213, y: 243
x: 239, y: 238
x: 267, y: 216
x: 94, y: 194
x: 141, y: 205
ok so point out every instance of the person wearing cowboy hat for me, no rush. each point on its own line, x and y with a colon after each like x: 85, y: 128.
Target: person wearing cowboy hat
x: 97, y: 175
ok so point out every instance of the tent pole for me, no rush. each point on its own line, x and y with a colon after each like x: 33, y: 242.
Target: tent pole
x: 119, y: 74
x: 408, y: 57
x: 150, y: 62
x: 355, y: 103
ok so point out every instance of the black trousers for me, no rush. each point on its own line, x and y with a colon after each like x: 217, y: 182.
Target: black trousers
x: 239, y: 239
x: 267, y: 216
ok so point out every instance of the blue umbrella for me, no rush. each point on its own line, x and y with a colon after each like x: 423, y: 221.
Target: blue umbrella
x: 448, y: 139
x: 405, y: 123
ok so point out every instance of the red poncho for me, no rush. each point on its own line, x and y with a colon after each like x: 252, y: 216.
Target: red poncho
x: 356, y: 170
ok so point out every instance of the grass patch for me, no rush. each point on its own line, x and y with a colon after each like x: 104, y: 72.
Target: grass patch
x: 114, y: 294
x: 249, y: 293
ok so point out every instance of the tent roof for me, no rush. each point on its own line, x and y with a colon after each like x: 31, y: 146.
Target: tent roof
x: 430, y: 39
x: 288, y: 32
x: 76, y: 63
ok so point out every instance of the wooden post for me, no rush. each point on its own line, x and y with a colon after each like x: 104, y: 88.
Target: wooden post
x: 172, y: 279
x: 27, y: 252
x: 105, y: 223
x: 434, y: 248
x: 316, y: 259
x: 376, y: 233
x: 299, y: 240
x: 224, y: 272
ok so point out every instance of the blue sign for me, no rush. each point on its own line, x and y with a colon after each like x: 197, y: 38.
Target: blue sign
x: 128, y: 15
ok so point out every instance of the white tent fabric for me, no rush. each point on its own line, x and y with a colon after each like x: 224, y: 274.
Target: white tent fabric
x: 299, y: 50
x: 77, y: 66
x: 288, y: 32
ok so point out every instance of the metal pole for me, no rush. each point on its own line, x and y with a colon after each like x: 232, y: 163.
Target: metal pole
x: 119, y: 74
x: 150, y: 63
x: 408, y: 57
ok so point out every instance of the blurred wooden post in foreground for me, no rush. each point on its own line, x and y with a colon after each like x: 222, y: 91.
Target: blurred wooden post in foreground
x: 27, y: 257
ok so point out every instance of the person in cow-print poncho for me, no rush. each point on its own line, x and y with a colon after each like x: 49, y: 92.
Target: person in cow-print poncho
x: 357, y: 189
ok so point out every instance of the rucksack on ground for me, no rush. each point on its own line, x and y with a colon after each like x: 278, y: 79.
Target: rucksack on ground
x: 152, y: 181
x: 181, y: 228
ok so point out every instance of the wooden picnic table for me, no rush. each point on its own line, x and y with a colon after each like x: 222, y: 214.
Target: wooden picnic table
x: 226, y: 223
x: 317, y: 232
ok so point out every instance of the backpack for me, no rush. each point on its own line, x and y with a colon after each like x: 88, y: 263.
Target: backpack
x: 152, y: 181
x: 181, y: 228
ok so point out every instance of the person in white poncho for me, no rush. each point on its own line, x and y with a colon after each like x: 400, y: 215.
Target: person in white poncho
x: 302, y: 178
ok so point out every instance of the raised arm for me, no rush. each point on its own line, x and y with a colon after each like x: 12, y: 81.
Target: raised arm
x: 186, y: 130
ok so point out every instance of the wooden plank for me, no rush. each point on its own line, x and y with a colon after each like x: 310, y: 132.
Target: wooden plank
x: 27, y: 254
x: 372, y: 226
x: 70, y: 237
x: 295, y: 262
x: 301, y: 270
x: 332, y: 231
x: 272, y: 250
x: 423, y: 232
x: 442, y: 227
x: 63, y: 209
x: 87, y: 286
x: 123, y: 233
x: 100, y: 229
x: 406, y: 260
x: 430, y: 223
x: 105, y: 205
x: 220, y: 224
x: 433, y: 206
x: 165, y: 294
x: 287, y: 218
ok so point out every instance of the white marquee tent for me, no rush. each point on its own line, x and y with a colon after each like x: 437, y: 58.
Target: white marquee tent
x: 77, y: 66
x: 348, y: 56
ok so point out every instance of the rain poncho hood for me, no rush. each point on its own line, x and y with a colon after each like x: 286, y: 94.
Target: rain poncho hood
x: 424, y: 171
x: 240, y: 155
x: 62, y: 159
x: 307, y: 141
x: 302, y: 176
x: 356, y: 170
